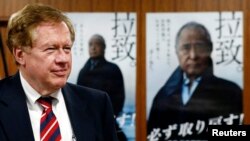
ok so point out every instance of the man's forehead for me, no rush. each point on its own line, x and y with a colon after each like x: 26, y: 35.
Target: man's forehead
x: 193, y: 30
x: 194, y: 34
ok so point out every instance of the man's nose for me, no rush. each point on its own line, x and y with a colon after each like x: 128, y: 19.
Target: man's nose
x: 93, y: 47
x: 193, y: 53
x: 62, y: 56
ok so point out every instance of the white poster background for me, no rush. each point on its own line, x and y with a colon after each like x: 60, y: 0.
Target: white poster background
x: 88, y: 24
x: 161, y: 29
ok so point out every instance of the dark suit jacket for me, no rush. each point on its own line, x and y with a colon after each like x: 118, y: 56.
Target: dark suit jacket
x: 213, y: 97
x: 89, y: 110
x: 105, y: 76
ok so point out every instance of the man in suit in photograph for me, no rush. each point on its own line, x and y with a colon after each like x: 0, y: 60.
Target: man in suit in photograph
x: 193, y: 95
x: 98, y: 73
x: 37, y: 103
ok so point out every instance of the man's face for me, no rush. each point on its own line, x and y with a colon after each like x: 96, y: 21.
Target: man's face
x: 47, y: 64
x: 95, y: 48
x: 193, y: 52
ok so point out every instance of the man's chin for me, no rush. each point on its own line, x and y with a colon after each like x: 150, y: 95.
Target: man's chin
x: 194, y: 73
x: 59, y: 84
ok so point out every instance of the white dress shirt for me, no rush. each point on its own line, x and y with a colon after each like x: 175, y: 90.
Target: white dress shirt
x: 187, y: 91
x: 58, y: 107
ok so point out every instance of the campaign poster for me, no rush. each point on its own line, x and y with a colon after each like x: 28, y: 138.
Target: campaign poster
x: 119, y: 33
x: 226, y: 31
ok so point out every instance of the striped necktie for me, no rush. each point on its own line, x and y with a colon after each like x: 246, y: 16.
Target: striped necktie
x: 49, y: 127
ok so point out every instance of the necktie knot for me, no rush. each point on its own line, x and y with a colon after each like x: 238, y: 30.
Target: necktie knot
x: 93, y: 64
x: 45, y: 102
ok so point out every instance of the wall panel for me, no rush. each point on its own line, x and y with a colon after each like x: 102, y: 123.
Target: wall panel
x: 63, y: 5
x: 187, y: 5
x: 11, y: 66
x: 102, y: 6
x: 163, y: 5
x: 10, y: 6
x: 126, y: 5
x: 230, y: 5
x: 2, y: 72
x: 140, y: 73
x: 81, y: 5
x: 205, y: 5
x: 246, y: 34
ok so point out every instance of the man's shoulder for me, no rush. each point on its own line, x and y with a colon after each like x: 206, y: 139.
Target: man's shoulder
x: 172, y: 84
x: 4, y: 80
x: 5, y: 83
x: 84, y: 91
x: 85, y: 95
x: 225, y: 85
x: 111, y: 64
x: 8, y: 86
x: 224, y: 82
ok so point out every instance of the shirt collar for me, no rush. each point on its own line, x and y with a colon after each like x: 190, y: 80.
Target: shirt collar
x: 32, y: 95
x: 186, y: 80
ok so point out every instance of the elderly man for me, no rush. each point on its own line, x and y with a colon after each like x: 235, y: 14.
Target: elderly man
x: 193, y: 95
x: 101, y: 74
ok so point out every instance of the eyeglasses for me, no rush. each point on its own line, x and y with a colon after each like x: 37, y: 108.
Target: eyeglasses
x: 198, y: 47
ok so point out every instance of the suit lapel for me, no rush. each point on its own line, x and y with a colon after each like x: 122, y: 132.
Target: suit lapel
x: 15, y: 120
x: 80, y: 121
x: 14, y: 113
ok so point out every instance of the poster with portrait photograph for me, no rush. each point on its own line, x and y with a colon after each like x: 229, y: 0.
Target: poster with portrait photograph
x: 194, y: 63
x: 118, y: 31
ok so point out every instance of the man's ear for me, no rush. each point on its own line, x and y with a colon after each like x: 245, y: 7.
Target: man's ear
x: 19, y: 55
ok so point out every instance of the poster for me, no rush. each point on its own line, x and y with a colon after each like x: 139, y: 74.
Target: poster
x: 119, y: 33
x: 226, y: 31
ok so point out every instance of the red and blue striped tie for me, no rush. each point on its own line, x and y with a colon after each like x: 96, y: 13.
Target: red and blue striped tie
x: 49, y: 127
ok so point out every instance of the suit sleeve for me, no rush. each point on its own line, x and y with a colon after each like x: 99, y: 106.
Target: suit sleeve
x: 152, y: 119
x: 80, y: 78
x: 109, y: 122
x: 2, y: 135
x: 118, y: 92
